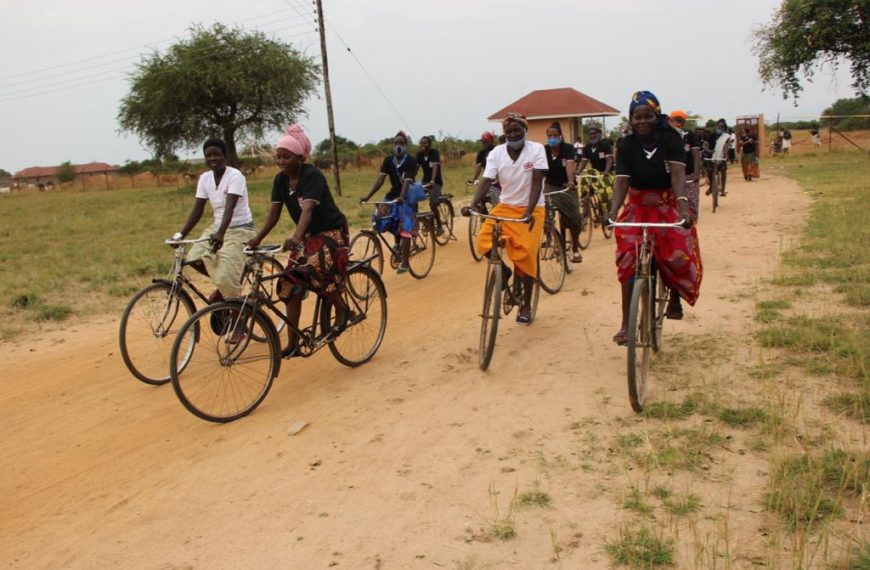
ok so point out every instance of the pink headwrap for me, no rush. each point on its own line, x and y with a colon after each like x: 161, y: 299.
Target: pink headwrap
x: 296, y: 142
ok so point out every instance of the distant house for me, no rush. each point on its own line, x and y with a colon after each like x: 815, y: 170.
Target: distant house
x: 5, y: 185
x: 47, y: 175
x: 566, y: 105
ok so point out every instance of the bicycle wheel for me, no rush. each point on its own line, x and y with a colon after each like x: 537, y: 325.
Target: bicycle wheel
x: 491, y: 313
x: 229, y: 372
x: 551, y: 261
x: 565, y: 238
x: 366, y: 244
x: 587, y: 224
x: 271, y: 266
x: 445, y: 212
x: 603, y: 210
x: 639, y: 344
x: 536, y: 295
x: 366, y: 298
x: 714, y: 190
x: 474, y: 224
x: 422, y: 255
x: 148, y: 328
x: 660, y: 302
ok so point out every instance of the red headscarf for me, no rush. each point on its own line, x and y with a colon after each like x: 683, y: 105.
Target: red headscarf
x: 296, y: 142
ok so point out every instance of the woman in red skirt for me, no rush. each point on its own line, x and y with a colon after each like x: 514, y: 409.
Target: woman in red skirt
x: 651, y: 173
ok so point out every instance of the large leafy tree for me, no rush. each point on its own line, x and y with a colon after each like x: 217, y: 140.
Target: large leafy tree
x: 806, y: 35
x: 221, y: 82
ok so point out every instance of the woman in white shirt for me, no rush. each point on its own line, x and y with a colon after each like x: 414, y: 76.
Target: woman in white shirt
x: 519, y: 166
x: 223, y: 257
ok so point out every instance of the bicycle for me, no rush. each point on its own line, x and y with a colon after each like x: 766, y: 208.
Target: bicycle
x: 553, y: 263
x: 152, y: 316
x: 594, y: 209
x: 367, y: 245
x: 444, y: 229
x: 498, y: 295
x: 715, y: 180
x: 646, y: 315
x: 230, y: 353
x: 474, y: 223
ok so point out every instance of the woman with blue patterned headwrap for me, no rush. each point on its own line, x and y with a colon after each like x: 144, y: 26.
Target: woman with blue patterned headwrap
x: 651, y: 172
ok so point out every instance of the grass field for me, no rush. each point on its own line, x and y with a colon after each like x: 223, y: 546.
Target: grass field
x: 67, y: 255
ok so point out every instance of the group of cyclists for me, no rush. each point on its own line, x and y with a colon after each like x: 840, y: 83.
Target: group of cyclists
x: 654, y: 175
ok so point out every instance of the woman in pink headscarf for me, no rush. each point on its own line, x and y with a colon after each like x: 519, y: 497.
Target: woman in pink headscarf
x: 321, y: 229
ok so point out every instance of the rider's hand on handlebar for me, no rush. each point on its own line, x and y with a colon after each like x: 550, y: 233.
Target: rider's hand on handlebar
x: 683, y: 209
x: 531, y: 222
x: 216, y: 240
x: 290, y: 244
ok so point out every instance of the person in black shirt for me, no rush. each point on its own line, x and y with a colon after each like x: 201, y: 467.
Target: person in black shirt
x: 401, y: 168
x: 429, y: 160
x: 488, y: 141
x: 321, y: 231
x: 693, y: 160
x: 597, y: 153
x: 560, y: 160
x: 651, y: 172
x: 748, y: 156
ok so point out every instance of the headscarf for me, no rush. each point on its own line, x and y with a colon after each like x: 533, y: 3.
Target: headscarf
x: 515, y: 118
x: 555, y: 125
x: 403, y: 135
x: 647, y: 98
x: 487, y: 136
x: 296, y: 142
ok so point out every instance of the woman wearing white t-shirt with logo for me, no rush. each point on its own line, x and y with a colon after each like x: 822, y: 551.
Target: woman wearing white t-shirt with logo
x: 223, y: 258
x: 519, y: 166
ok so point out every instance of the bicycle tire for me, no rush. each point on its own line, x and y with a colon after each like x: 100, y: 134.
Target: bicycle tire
x: 365, y: 244
x: 638, y: 331
x: 602, y: 209
x: 564, y: 235
x: 714, y: 190
x: 474, y: 224
x: 551, y: 261
x: 536, y: 295
x: 587, y: 224
x: 150, y: 363
x: 660, y: 302
x: 366, y: 296
x: 226, y: 380
x: 491, y: 313
x: 445, y: 212
x: 422, y: 255
x: 271, y: 266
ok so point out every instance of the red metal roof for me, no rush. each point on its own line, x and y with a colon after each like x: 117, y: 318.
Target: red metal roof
x: 551, y: 103
x: 49, y: 171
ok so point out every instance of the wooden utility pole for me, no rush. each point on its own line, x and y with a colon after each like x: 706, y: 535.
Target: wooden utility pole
x: 335, y: 165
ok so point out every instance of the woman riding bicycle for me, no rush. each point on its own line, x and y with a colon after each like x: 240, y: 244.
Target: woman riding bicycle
x: 321, y: 230
x: 223, y: 258
x: 488, y: 140
x: 598, y: 155
x: 651, y: 171
x: 560, y: 160
x: 519, y: 165
x: 693, y: 160
x: 429, y: 160
x: 401, y: 168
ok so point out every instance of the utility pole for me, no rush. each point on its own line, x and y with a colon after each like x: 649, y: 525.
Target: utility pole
x: 335, y: 165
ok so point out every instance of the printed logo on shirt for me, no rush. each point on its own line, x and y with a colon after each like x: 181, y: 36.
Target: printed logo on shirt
x: 600, y: 155
x: 527, y: 166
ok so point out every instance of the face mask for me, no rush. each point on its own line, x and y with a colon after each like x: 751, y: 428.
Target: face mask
x: 516, y: 145
x: 554, y: 142
x: 594, y: 139
x: 400, y: 149
x: 719, y: 130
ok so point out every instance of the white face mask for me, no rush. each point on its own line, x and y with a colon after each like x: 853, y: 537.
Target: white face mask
x: 517, y: 145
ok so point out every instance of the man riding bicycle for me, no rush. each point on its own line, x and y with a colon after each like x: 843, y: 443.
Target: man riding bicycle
x: 718, y: 150
x: 597, y: 154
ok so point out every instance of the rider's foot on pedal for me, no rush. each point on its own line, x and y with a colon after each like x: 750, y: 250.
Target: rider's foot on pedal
x: 290, y: 351
x: 578, y: 258
x: 708, y: 192
x: 524, y: 318
x: 621, y: 337
x: 675, y: 309
x: 505, y: 277
x: 402, y: 269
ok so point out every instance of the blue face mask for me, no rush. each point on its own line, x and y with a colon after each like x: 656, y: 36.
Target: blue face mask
x: 516, y: 145
x: 553, y: 142
x: 400, y: 149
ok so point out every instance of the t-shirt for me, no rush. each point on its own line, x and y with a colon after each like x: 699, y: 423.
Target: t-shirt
x: 481, y: 156
x: 398, y: 169
x: 232, y: 182
x: 649, y: 168
x: 748, y: 145
x: 515, y: 176
x: 690, y: 141
x: 426, y: 161
x: 578, y: 151
x: 557, y: 175
x: 597, y: 154
x: 311, y: 186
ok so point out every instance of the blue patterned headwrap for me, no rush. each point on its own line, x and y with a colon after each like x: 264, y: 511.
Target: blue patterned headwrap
x: 647, y: 98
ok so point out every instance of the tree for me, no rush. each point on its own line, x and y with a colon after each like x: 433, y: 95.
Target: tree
x: 66, y: 172
x: 221, y: 82
x: 856, y: 106
x: 805, y: 35
x: 5, y: 173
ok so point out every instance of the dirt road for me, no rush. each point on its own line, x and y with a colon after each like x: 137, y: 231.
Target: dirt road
x: 404, y: 458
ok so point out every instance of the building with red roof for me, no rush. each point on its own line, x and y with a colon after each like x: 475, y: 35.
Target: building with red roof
x: 566, y: 105
x: 47, y: 175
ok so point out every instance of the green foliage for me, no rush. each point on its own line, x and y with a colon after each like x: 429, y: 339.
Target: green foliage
x: 806, y: 35
x: 860, y: 560
x: 536, y: 498
x: 66, y: 172
x: 221, y: 82
x: 855, y: 406
x: 640, y: 548
x: 854, y: 106
x: 5, y: 173
x: 742, y: 417
x: 671, y: 409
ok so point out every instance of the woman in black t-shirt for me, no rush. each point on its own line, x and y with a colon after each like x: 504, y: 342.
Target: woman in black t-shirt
x: 651, y: 172
x: 560, y: 160
x: 429, y: 159
x: 488, y: 141
x: 321, y: 230
x: 748, y: 157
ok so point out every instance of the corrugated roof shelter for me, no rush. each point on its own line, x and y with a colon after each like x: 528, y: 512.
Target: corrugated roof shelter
x: 48, y: 174
x: 566, y: 105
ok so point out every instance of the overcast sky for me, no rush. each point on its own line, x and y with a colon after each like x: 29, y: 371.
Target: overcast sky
x: 445, y: 65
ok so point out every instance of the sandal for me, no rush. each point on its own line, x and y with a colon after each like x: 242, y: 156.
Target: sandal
x: 402, y: 269
x: 578, y: 258
x: 674, y: 312
x: 524, y: 319
x: 621, y: 338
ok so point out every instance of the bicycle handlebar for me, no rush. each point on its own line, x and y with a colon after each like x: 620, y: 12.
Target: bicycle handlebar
x: 614, y: 224
x: 562, y: 191
x: 185, y: 241
x: 366, y: 203
x: 269, y: 249
x: 716, y: 159
x: 470, y: 212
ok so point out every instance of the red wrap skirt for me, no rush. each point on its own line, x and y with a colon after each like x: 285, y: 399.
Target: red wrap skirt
x: 676, y: 250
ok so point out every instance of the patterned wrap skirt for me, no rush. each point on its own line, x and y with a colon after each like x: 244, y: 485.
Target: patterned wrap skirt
x: 568, y: 205
x: 321, y: 266
x: 676, y: 250
x: 520, y: 244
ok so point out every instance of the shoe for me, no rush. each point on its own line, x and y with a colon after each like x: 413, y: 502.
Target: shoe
x: 439, y: 231
x: 674, y: 311
x: 578, y: 258
x: 524, y: 319
x: 506, y: 278
x: 402, y: 269
x: 723, y: 193
x: 708, y: 192
x: 621, y: 338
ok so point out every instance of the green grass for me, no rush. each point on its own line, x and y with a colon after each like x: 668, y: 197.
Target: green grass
x: 85, y: 253
x: 634, y: 502
x: 677, y: 448
x: 860, y: 560
x: 855, y: 406
x: 641, y: 548
x: 671, y: 410
x: 535, y: 498
x: 742, y: 417
x: 683, y: 506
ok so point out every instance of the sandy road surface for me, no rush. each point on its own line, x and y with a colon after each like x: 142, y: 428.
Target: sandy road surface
x: 395, y: 468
